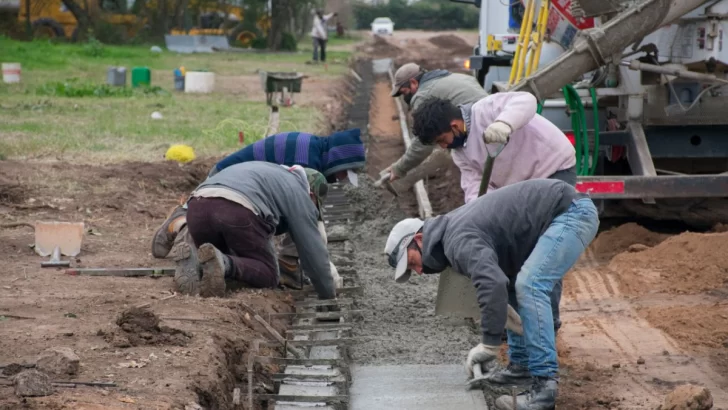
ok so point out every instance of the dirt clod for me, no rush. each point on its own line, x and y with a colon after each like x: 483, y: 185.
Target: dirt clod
x: 641, y: 360
x: 141, y: 327
x: 688, y: 397
x: 12, y: 369
x: 32, y: 383
x: 58, y: 360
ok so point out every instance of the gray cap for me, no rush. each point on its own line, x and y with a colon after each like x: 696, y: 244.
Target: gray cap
x: 403, y: 75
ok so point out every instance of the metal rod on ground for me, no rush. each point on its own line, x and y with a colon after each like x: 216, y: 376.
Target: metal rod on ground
x: 124, y: 272
x: 294, y: 351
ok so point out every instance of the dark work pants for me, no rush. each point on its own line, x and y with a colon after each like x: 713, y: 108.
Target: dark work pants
x: 319, y: 42
x: 238, y: 233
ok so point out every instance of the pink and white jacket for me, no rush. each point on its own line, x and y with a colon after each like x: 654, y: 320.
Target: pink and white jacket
x: 537, y: 148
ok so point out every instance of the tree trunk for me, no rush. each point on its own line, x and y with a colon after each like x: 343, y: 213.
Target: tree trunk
x: 82, y: 16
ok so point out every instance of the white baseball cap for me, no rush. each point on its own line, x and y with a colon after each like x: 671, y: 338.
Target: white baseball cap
x: 396, y: 249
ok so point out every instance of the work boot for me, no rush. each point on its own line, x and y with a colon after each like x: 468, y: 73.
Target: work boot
x: 187, y: 270
x: 541, y: 396
x: 513, y: 374
x: 163, y: 239
x: 214, y: 267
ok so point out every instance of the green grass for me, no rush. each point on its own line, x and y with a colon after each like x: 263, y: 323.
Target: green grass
x: 105, y: 129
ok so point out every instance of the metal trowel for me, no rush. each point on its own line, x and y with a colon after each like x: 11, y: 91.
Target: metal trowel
x: 384, y: 181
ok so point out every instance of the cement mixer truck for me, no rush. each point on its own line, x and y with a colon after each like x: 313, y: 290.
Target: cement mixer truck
x: 640, y: 88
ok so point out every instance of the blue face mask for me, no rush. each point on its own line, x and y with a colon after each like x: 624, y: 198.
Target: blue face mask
x: 459, y: 140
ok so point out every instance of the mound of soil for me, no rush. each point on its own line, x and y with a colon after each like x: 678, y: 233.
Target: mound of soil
x: 619, y: 239
x: 688, y: 397
x: 141, y: 327
x: 686, y: 263
x: 452, y: 43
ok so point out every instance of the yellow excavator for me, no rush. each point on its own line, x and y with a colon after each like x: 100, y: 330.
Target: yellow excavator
x: 52, y: 19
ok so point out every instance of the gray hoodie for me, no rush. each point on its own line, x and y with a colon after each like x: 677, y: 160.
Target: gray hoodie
x: 282, y: 200
x: 490, y: 238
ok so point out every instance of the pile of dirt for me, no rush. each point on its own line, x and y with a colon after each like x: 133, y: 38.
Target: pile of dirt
x: 619, y: 239
x: 379, y: 47
x: 694, y: 327
x: 686, y: 263
x: 141, y: 327
x: 453, y: 44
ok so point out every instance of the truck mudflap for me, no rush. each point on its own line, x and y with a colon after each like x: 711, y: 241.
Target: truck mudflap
x: 667, y: 186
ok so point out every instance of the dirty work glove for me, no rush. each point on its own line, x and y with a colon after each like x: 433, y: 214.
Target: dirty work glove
x: 513, y: 322
x: 480, y: 355
x: 497, y: 133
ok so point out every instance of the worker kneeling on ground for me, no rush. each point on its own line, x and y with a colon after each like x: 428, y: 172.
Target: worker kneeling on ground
x: 514, y: 244
x: 536, y: 147
x: 336, y: 157
x: 232, y: 218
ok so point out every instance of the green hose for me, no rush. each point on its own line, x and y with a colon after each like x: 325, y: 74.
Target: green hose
x: 579, y: 127
x: 595, y: 112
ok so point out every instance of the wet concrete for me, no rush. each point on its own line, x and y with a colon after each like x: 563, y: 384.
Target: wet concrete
x: 413, y: 387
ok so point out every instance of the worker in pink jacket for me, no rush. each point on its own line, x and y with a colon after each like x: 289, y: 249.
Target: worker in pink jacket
x: 536, y: 149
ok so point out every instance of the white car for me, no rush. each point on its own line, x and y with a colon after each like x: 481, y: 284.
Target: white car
x: 382, y: 25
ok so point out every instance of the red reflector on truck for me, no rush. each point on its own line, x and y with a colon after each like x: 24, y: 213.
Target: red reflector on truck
x: 570, y: 136
x: 606, y: 187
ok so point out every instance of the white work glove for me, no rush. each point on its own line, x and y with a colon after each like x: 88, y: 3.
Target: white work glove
x: 513, y: 322
x: 339, y: 282
x: 497, y: 133
x: 481, y: 355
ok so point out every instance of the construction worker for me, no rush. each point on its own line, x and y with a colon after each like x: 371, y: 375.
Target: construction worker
x: 536, y: 149
x: 336, y: 156
x: 417, y: 85
x: 319, y: 33
x: 515, y: 244
x: 233, y: 216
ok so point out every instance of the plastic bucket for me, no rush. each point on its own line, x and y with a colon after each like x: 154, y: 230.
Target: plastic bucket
x: 199, y: 82
x: 11, y: 72
x: 141, y: 76
x: 179, y: 82
x: 116, y: 76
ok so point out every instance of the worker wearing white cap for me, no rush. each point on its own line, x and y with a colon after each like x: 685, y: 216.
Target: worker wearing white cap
x: 514, y: 244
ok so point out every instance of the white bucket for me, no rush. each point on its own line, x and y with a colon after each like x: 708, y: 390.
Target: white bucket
x: 199, y: 82
x: 11, y: 72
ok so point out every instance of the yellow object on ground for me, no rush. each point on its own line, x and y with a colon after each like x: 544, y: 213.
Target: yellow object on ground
x: 180, y: 153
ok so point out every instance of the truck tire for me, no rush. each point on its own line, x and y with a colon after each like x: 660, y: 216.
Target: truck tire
x: 47, y: 28
x: 240, y: 36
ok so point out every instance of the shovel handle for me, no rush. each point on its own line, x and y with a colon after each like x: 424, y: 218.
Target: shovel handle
x: 488, y: 168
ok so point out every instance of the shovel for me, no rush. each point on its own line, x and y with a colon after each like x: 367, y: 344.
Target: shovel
x: 455, y: 292
x: 57, y: 238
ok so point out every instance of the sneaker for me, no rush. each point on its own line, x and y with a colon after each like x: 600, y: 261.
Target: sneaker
x: 163, y: 239
x: 187, y: 270
x: 214, y: 267
x: 541, y: 396
x: 513, y: 374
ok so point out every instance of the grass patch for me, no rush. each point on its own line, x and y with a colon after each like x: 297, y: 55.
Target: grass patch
x: 76, y: 88
x: 39, y: 119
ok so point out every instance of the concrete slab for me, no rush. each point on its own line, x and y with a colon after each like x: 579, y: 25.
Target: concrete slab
x: 412, y: 387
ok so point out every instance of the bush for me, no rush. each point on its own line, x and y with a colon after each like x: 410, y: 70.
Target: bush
x: 75, y: 88
x: 259, y: 43
x: 288, y: 42
x: 93, y: 48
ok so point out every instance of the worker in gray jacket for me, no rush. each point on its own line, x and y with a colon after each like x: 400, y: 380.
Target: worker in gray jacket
x: 233, y: 216
x: 417, y: 85
x: 515, y: 244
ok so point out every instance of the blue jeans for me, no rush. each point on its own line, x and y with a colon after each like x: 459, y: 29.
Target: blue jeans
x: 556, y: 251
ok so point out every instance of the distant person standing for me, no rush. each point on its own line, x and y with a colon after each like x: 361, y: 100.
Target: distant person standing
x: 319, y: 33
